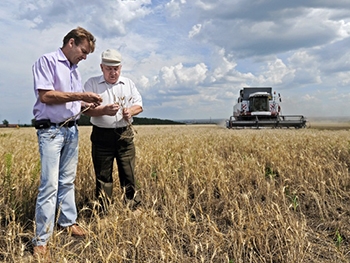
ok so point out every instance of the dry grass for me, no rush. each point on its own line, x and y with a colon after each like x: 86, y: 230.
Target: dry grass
x: 209, y: 195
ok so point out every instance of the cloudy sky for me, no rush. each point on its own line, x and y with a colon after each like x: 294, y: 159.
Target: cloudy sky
x: 189, y: 58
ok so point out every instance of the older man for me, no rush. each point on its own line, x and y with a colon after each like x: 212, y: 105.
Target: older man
x: 111, y: 135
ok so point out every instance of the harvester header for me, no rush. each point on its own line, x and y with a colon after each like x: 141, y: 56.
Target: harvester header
x: 259, y: 107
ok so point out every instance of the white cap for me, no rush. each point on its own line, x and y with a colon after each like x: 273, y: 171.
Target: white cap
x: 111, y: 57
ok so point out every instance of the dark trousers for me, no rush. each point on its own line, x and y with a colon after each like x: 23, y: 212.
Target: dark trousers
x: 107, y: 145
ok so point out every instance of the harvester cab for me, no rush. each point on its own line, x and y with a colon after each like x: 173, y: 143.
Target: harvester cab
x: 259, y: 107
x: 259, y: 102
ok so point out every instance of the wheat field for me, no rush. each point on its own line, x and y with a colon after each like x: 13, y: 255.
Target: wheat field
x: 209, y: 195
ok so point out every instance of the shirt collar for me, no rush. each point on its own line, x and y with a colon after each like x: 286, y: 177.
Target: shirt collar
x: 62, y: 57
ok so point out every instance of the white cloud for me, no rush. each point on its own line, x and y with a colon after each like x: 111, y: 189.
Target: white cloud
x: 110, y: 17
x: 180, y: 75
x: 277, y: 73
x: 174, y: 7
x: 195, y: 30
x: 343, y: 79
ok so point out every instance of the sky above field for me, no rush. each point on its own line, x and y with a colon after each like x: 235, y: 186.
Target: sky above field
x: 189, y: 58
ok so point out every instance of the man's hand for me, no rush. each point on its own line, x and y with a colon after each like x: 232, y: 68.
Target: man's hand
x: 111, y: 109
x: 127, y: 113
x: 91, y: 97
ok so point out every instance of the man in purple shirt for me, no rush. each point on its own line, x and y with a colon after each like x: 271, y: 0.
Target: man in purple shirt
x: 59, y: 93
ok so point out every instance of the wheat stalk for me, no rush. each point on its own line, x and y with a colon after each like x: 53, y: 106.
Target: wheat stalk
x: 122, y: 102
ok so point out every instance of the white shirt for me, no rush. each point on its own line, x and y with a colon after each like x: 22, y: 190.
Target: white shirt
x: 123, y: 92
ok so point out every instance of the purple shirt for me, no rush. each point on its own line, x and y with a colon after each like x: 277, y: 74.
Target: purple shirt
x: 52, y: 71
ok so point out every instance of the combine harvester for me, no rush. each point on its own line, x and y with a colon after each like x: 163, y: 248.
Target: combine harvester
x: 257, y: 107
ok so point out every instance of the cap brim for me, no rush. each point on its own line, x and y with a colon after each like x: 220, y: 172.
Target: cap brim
x: 112, y: 64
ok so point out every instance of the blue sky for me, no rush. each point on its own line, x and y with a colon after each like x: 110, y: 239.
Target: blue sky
x: 189, y: 58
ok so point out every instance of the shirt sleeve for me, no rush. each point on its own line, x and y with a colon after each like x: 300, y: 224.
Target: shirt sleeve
x: 43, y: 75
x: 136, y: 96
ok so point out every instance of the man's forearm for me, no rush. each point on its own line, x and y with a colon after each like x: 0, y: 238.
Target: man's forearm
x: 58, y: 97
x: 107, y: 110
x: 96, y: 112
x: 135, y: 110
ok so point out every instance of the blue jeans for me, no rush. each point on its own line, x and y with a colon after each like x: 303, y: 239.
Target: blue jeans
x: 59, y: 158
